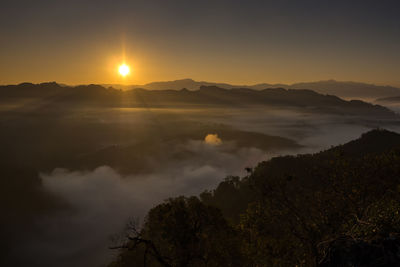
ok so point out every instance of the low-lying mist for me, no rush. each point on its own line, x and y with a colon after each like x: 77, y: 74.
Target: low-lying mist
x: 109, y: 166
x: 104, y: 200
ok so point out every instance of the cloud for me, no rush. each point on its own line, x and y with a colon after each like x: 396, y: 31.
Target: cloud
x: 212, y: 139
x: 103, y: 200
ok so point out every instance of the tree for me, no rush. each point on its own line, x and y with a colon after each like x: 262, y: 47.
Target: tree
x: 182, y: 232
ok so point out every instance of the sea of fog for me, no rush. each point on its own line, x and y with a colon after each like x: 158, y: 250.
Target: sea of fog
x: 180, y: 161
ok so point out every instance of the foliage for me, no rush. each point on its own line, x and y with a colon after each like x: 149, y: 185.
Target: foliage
x: 290, y: 211
x: 182, y: 232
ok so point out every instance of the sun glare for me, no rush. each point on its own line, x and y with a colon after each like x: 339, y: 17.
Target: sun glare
x: 124, y: 70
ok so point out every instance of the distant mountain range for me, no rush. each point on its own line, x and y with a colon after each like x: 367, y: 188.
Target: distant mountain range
x: 348, y: 90
x: 57, y: 96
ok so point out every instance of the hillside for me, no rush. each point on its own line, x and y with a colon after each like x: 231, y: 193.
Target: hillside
x: 333, y: 208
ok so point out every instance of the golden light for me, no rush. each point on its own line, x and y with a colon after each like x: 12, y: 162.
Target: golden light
x: 124, y: 70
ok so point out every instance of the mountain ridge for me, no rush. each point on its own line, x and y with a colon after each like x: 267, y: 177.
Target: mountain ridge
x: 344, y: 89
x: 205, y: 95
x: 211, y: 96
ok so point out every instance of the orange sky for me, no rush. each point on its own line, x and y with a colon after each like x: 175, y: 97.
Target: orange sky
x: 77, y: 42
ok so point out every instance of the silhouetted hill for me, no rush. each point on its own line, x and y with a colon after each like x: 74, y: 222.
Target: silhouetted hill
x: 53, y: 90
x: 375, y: 141
x: 351, y: 90
x: 184, y: 83
x: 241, y: 97
x: 307, y: 168
x: 189, y: 84
x: 338, y: 207
x: 29, y: 90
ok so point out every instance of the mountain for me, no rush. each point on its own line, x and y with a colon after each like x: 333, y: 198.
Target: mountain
x: 192, y: 85
x: 54, y: 95
x: 348, y: 90
x: 51, y: 89
x: 241, y: 97
x: 373, y: 142
x: 173, y: 85
x: 184, y: 83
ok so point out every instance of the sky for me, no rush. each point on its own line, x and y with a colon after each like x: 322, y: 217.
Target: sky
x: 239, y: 42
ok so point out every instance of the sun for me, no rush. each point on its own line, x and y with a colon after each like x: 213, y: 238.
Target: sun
x: 124, y: 70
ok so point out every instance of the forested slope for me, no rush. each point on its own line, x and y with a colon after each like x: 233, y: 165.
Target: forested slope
x: 339, y: 207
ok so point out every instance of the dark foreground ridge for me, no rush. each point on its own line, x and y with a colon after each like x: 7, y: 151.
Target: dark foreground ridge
x: 53, y: 95
x: 338, y: 207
